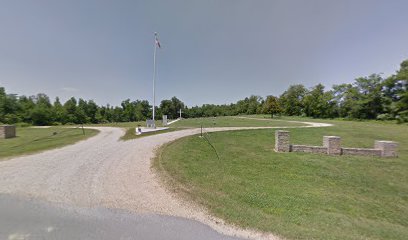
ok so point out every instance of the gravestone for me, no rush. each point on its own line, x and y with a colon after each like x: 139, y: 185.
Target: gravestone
x: 7, y: 131
x: 164, y: 120
x: 150, y: 123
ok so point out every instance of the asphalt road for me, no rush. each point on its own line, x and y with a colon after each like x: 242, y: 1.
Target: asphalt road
x: 22, y: 218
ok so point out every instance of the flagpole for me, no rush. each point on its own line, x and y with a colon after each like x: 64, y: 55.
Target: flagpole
x: 154, y: 76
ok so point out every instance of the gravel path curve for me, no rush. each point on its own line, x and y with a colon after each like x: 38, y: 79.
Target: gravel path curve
x: 103, y: 171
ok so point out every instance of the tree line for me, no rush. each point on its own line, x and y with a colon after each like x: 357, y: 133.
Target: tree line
x: 371, y: 97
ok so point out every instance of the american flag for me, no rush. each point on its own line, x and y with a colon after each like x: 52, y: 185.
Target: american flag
x: 157, y: 40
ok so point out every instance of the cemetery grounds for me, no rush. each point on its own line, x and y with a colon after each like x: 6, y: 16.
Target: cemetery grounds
x: 294, y: 195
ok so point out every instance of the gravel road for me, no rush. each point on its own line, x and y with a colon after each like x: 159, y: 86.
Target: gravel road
x: 105, y: 172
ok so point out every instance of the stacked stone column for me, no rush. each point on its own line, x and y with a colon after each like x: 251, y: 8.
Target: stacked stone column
x: 333, y: 144
x: 282, y: 141
x: 7, y: 131
x: 388, y: 148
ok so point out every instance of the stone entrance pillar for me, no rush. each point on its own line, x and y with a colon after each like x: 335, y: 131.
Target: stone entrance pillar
x: 7, y: 131
x: 388, y: 148
x: 282, y: 141
x: 333, y: 145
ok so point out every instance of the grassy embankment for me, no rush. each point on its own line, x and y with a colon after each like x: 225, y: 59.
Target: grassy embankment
x: 233, y: 121
x: 30, y: 140
x: 196, y: 123
x: 296, y: 195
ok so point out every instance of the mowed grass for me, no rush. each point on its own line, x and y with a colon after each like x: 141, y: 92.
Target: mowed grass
x: 295, y: 195
x: 131, y: 133
x: 30, y: 140
x: 124, y: 124
x: 196, y: 123
x: 232, y: 121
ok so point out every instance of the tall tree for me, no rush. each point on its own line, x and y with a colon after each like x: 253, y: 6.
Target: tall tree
x: 271, y: 106
x: 292, y: 100
x: 59, y: 112
x: 70, y: 107
x: 369, y: 102
x: 318, y: 103
x: 42, y: 114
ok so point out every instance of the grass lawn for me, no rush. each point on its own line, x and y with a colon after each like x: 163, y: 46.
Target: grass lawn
x: 196, y: 123
x: 131, y: 133
x: 296, y: 195
x: 124, y: 124
x: 30, y: 140
x: 231, y: 122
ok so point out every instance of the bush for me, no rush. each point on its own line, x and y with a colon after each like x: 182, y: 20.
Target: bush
x: 11, y: 118
x: 385, y: 116
x: 23, y: 124
x: 402, y: 117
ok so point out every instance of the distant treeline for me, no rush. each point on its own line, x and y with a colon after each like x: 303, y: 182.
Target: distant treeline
x: 372, y: 97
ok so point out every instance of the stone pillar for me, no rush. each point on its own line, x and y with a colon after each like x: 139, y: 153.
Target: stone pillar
x: 388, y: 148
x: 333, y: 145
x: 7, y: 131
x: 164, y: 120
x: 282, y: 141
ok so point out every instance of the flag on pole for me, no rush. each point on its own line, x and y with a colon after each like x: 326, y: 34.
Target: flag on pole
x: 157, y: 41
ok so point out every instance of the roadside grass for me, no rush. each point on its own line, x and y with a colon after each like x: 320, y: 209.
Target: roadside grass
x: 131, y: 133
x: 296, y: 195
x: 30, y: 140
x: 230, y: 121
x: 123, y: 124
x: 195, y: 123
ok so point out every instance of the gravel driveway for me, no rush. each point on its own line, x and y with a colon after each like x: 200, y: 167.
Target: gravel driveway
x: 105, y: 172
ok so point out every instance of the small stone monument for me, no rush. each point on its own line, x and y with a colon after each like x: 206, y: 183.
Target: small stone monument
x: 164, y: 120
x: 7, y: 131
x: 150, y: 123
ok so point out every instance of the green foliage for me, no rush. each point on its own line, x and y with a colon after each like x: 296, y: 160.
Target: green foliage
x: 271, y: 106
x: 319, y: 104
x: 371, y: 97
x: 292, y: 100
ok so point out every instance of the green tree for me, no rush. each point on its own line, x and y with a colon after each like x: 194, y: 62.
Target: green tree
x: 369, y: 100
x: 271, y: 106
x: 292, y: 100
x: 42, y: 113
x: 318, y: 103
x: 2, y: 103
x: 395, y: 90
x: 26, y: 105
x: 59, y: 111
x: 254, y: 103
x: 70, y: 108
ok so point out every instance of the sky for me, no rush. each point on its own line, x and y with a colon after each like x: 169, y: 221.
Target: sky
x: 213, y: 51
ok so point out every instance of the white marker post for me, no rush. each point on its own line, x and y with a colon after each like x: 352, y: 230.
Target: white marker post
x: 180, y: 113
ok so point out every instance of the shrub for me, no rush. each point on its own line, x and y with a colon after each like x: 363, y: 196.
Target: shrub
x: 385, y: 116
